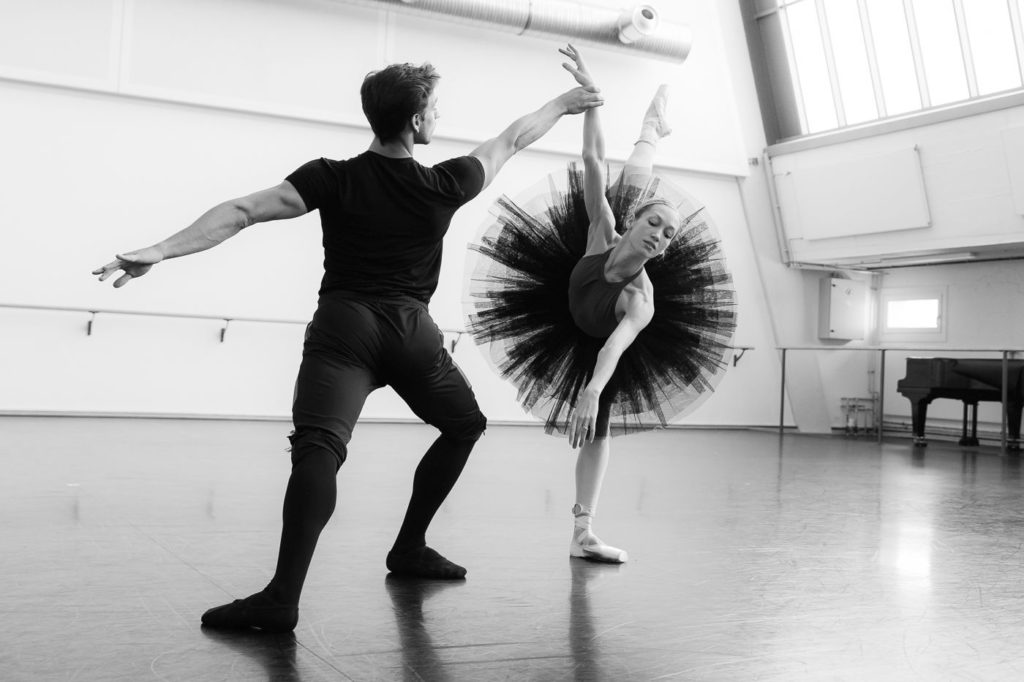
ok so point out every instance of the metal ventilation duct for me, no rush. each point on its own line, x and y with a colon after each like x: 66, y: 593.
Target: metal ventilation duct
x: 637, y: 29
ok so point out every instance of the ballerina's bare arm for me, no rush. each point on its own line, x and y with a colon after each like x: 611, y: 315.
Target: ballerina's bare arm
x: 583, y: 422
x: 601, y: 233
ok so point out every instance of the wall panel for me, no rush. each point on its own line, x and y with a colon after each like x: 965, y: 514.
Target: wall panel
x: 292, y: 58
x: 74, y: 41
x: 850, y: 198
x: 968, y: 171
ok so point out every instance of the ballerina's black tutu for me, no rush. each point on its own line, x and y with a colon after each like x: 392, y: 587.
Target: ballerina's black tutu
x: 518, y: 309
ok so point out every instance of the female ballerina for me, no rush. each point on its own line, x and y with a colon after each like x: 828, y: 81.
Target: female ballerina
x: 601, y: 352
x: 611, y: 298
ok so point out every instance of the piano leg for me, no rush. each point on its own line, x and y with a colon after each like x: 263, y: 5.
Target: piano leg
x: 918, y: 414
x: 973, y: 438
x: 1013, y: 414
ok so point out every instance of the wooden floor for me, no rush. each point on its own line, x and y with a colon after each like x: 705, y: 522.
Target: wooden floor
x: 752, y: 558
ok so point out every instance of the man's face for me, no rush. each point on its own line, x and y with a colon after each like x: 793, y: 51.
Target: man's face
x: 427, y: 120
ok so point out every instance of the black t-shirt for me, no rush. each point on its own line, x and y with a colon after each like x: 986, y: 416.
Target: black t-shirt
x: 384, y: 219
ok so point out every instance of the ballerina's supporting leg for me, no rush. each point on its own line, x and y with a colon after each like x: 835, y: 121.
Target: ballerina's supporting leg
x: 591, y: 464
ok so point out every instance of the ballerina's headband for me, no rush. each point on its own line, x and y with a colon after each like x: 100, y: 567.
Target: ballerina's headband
x: 653, y: 201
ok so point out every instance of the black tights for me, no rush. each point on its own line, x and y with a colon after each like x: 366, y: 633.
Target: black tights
x: 435, y: 476
x: 309, y: 502
x: 312, y: 493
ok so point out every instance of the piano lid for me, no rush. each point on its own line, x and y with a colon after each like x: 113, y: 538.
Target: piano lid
x: 990, y: 371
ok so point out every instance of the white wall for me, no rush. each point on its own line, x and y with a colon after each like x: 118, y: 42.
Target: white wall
x: 124, y: 119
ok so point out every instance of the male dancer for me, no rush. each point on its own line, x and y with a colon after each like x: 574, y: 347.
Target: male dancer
x: 384, y: 217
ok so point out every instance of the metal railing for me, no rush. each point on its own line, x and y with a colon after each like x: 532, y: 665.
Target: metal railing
x: 226, y: 319
x: 1006, y: 354
x: 457, y: 334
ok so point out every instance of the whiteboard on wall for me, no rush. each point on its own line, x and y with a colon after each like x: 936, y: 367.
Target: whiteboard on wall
x: 868, y: 195
x: 1013, y: 148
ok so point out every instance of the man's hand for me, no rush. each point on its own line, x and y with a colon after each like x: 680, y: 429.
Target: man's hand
x: 134, y: 264
x: 578, y: 100
x: 579, y: 72
x: 583, y: 423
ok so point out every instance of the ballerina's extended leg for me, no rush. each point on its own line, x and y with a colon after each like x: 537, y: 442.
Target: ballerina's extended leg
x: 640, y: 163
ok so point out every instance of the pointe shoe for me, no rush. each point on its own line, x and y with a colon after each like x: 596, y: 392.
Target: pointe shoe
x: 656, y: 118
x: 586, y: 545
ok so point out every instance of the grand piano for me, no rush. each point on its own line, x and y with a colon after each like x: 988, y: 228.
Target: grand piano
x: 969, y: 380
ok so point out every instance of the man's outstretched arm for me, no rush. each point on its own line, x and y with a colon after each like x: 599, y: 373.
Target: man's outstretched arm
x: 528, y: 129
x: 221, y: 222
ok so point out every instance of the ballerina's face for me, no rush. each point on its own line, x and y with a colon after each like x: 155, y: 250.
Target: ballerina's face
x: 653, y: 229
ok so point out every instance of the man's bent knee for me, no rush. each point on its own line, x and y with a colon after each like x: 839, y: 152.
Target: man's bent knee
x: 305, y: 439
x: 467, y: 430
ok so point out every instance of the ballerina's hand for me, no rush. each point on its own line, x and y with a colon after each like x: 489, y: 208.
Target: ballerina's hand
x: 583, y: 423
x: 134, y: 264
x: 579, y: 72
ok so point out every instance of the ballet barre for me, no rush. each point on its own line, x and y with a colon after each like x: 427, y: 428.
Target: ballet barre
x: 736, y: 357
x: 226, y: 319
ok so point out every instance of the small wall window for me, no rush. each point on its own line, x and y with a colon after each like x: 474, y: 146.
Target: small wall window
x: 917, y: 314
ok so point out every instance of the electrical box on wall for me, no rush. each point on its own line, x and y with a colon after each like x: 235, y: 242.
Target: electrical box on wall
x: 843, y: 309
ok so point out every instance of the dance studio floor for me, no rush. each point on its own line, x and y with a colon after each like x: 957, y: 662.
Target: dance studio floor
x: 751, y: 558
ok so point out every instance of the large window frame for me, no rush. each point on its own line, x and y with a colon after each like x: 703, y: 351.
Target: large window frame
x: 824, y: 66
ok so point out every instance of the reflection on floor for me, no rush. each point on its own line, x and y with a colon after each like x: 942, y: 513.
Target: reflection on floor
x: 751, y: 558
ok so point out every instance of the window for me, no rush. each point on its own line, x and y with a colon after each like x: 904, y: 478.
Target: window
x: 993, y: 50
x: 915, y: 314
x: 853, y: 68
x: 808, y: 63
x: 854, y: 61
x: 896, y: 72
x: 940, y: 46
